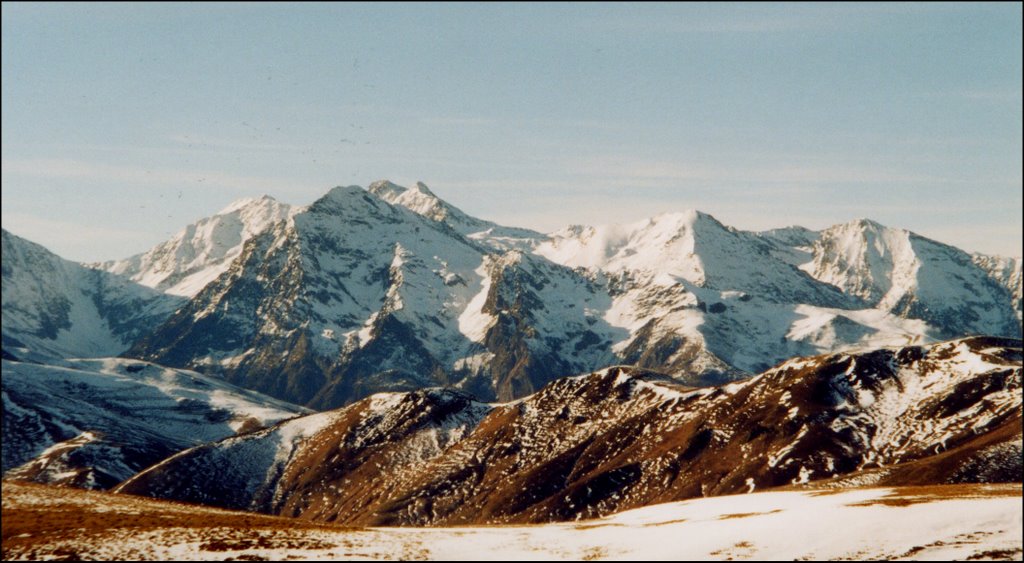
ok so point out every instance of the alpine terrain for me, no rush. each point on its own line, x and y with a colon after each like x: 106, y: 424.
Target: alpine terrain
x: 380, y: 357
x: 393, y: 289
x: 620, y: 438
x: 55, y: 308
x: 94, y: 423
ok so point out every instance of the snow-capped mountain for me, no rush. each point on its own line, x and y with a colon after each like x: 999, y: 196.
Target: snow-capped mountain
x: 392, y: 289
x: 693, y: 248
x: 55, y: 308
x: 353, y: 295
x: 1007, y: 273
x: 914, y: 277
x: 94, y: 423
x: 621, y: 438
x: 683, y: 285
x: 203, y: 250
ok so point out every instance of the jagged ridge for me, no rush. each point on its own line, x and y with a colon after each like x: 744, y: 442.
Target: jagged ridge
x: 620, y: 438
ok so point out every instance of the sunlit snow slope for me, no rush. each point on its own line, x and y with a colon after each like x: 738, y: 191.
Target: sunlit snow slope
x: 960, y: 522
x: 55, y: 308
x: 94, y: 423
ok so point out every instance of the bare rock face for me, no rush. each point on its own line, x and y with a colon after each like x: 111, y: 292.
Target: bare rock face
x: 621, y: 438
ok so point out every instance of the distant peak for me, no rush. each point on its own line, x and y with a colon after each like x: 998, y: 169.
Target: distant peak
x: 386, y: 189
x: 867, y: 223
x: 686, y: 218
x: 423, y: 189
x: 341, y: 199
x: 792, y: 228
x: 574, y: 230
x: 343, y: 192
x: 246, y: 202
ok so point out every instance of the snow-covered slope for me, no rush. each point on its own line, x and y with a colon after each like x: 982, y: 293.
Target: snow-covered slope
x: 203, y: 250
x: 94, y: 423
x: 57, y: 308
x: 956, y: 522
x: 621, y: 438
x: 1007, y: 273
x: 688, y: 288
x: 692, y: 247
x: 419, y: 199
x: 353, y: 295
x: 265, y: 468
x: 914, y: 277
x: 392, y: 289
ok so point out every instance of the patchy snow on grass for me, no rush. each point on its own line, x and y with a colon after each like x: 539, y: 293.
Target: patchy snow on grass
x: 947, y: 522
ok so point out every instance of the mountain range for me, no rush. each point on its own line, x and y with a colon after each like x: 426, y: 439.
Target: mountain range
x: 438, y: 346
x: 393, y: 289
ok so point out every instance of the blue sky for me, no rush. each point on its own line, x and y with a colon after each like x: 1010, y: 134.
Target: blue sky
x: 123, y: 123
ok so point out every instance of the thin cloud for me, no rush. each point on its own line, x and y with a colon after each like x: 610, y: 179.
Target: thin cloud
x: 233, y: 144
x: 51, y: 168
x: 764, y: 19
x: 992, y: 95
x: 458, y: 121
x: 667, y: 171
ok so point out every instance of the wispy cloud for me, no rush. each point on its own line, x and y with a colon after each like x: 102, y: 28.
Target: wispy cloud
x: 204, y: 143
x: 681, y: 172
x: 751, y: 18
x: 138, y: 175
x: 520, y: 122
x: 993, y: 95
x: 460, y: 121
x: 990, y: 95
x: 742, y: 24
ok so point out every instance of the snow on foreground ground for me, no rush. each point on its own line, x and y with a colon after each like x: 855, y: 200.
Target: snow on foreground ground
x: 942, y: 522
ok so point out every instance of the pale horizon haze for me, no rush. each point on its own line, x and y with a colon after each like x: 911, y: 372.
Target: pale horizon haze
x: 123, y: 123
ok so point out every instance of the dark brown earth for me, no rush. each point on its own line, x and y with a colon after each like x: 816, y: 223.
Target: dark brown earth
x: 624, y: 438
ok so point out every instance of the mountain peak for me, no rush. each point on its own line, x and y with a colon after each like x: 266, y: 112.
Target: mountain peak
x: 422, y: 201
x: 687, y: 218
x: 245, y: 202
x: 203, y: 250
x: 346, y: 200
x: 386, y: 189
x: 866, y: 224
x: 423, y: 189
x: 418, y: 199
x: 343, y: 192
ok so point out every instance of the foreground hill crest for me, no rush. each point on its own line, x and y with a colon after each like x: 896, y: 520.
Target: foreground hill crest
x: 623, y: 437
